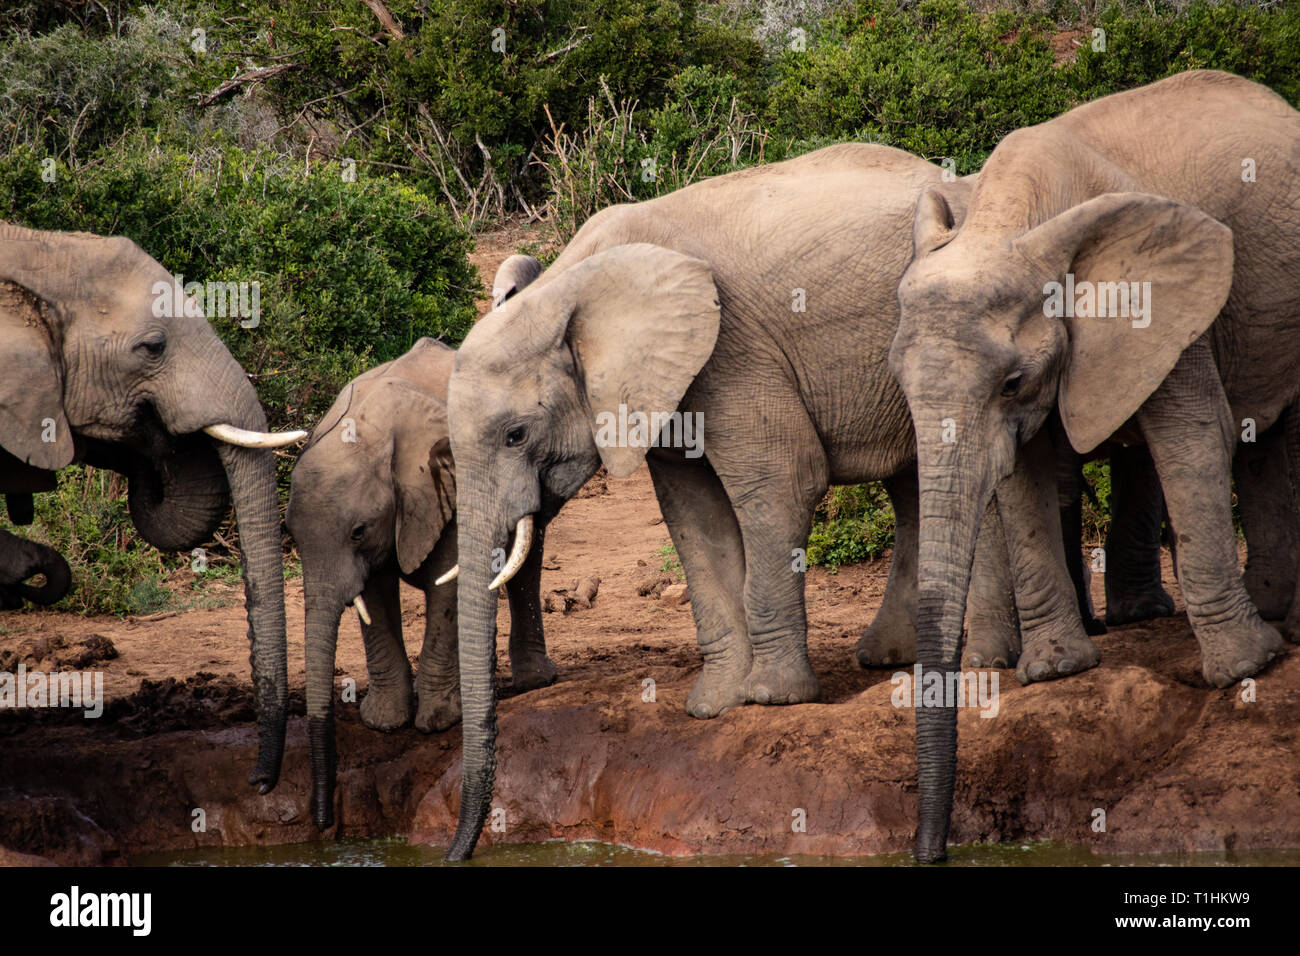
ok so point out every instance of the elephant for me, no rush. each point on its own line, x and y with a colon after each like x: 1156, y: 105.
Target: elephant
x: 373, y: 500
x: 1081, y: 290
x: 104, y: 365
x: 20, y: 560
x: 743, y: 302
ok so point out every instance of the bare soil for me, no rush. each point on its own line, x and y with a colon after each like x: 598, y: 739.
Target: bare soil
x: 1175, y: 765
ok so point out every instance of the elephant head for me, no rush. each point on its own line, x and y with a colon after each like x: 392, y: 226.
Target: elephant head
x: 99, y: 367
x: 376, y: 485
x: 991, y: 340
x: 625, y: 330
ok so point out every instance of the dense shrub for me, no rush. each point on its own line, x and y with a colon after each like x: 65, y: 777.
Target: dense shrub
x: 852, y: 523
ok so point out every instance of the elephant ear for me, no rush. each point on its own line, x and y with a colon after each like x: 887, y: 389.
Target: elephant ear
x: 940, y: 210
x: 33, y: 426
x: 1178, y: 259
x: 512, y: 276
x: 642, y: 322
x: 423, y: 480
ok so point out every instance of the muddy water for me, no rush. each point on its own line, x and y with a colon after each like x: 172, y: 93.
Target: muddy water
x: 397, y: 852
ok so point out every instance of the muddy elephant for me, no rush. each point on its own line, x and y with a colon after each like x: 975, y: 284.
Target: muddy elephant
x: 106, y: 362
x: 1096, y: 253
x: 714, y: 333
x: 21, y: 560
x: 373, y: 502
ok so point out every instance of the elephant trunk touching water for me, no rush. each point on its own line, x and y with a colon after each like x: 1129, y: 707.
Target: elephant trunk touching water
x: 98, y: 368
x: 1146, y: 297
x: 373, y: 504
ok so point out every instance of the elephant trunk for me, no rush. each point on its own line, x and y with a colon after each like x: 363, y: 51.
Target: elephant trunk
x: 477, y: 613
x: 251, y: 474
x: 208, y: 387
x: 58, y: 578
x: 952, y: 501
x: 322, y: 611
x: 178, y: 501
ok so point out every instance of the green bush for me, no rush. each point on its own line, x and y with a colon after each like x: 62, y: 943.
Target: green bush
x: 937, y: 79
x: 853, y: 523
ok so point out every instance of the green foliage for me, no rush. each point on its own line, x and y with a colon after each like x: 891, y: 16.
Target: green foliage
x: 671, y: 564
x: 936, y: 79
x: 68, y: 92
x: 853, y: 523
x: 1096, y: 514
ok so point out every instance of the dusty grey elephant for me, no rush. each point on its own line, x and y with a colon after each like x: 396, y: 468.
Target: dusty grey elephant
x: 103, y: 364
x: 373, y: 502
x: 743, y: 303
x: 20, y: 560
x: 1185, y: 191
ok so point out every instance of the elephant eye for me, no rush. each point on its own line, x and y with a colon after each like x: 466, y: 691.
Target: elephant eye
x: 514, y: 437
x: 358, y: 532
x: 1011, y: 386
x: 153, y: 346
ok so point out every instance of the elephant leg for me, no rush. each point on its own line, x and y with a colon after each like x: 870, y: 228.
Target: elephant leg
x: 1134, y: 591
x: 992, y: 623
x: 703, y: 527
x: 891, y: 638
x: 1268, y: 517
x: 1069, y: 490
x: 1053, y: 641
x: 387, y: 704
x: 437, y: 681
x: 530, y: 668
x: 1188, y: 427
x: 775, y: 489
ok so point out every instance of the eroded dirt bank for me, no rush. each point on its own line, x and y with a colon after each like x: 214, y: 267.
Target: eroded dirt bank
x: 1175, y: 765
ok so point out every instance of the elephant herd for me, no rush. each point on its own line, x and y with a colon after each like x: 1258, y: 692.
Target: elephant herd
x: 1122, y: 281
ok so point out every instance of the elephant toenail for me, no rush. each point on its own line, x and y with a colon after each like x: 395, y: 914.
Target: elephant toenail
x: 976, y: 661
x: 1243, y: 669
x: 1065, y: 667
x: 1038, y: 670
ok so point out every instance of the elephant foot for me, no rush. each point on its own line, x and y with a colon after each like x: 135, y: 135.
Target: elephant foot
x: 386, y: 708
x: 886, y: 645
x: 1236, y: 649
x: 1141, y: 606
x: 438, y: 709
x: 717, y: 690
x: 1047, y: 658
x: 772, y: 682
x: 992, y: 643
x: 532, y: 673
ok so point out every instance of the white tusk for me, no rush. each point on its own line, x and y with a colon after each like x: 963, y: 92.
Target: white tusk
x: 449, y: 576
x: 518, y: 554
x: 362, y: 613
x: 246, y: 439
